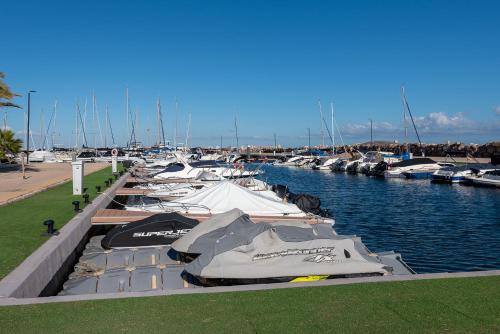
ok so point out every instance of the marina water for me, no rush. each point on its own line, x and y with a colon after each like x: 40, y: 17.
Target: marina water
x: 436, y: 227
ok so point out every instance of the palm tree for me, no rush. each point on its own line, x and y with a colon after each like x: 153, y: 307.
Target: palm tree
x: 6, y: 94
x: 9, y: 144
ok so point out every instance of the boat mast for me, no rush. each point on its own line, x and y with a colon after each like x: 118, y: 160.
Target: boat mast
x: 106, y: 125
x: 309, y: 136
x: 94, y: 121
x: 405, y: 122
x: 236, y: 129
x: 127, y: 112
x: 187, y: 132
x: 77, y: 134
x: 84, y: 123
x: 81, y: 122
x: 176, y: 117
x: 42, y: 137
x: 407, y: 107
x: 54, y: 126
x: 158, y: 122
x: 333, y: 130
x: 321, y: 124
x: 110, y: 127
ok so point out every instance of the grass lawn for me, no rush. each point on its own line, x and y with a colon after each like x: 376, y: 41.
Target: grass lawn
x: 431, y: 306
x: 21, y: 222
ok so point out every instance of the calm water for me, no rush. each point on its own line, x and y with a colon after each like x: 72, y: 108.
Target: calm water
x: 435, y: 227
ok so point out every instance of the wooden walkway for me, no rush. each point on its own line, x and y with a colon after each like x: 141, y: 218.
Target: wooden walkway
x: 119, y: 217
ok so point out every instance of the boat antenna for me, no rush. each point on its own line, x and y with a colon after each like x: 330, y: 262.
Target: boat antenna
x: 407, y: 107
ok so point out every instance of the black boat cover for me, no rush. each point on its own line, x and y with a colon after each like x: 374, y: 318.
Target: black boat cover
x: 157, y: 230
x: 305, y: 202
x: 414, y: 161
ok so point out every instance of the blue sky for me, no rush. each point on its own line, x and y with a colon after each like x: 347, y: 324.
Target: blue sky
x: 265, y: 62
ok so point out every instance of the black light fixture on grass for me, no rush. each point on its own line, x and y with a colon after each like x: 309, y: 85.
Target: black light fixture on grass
x: 50, y: 228
x: 86, y: 198
x: 76, y: 205
x: 98, y: 189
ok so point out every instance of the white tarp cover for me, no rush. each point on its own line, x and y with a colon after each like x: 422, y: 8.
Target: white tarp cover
x: 223, y: 197
x: 267, y: 256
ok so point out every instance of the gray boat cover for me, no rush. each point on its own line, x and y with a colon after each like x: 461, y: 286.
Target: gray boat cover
x: 148, y: 278
x: 236, y: 222
x: 97, y: 263
x: 266, y: 255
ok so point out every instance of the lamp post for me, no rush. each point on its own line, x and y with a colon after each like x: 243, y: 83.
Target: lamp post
x: 28, y: 128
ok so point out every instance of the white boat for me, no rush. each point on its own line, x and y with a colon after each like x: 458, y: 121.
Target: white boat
x: 184, y: 170
x: 372, y: 158
x: 223, y: 197
x: 293, y: 161
x: 42, y: 156
x: 490, y: 178
x: 417, y: 168
x: 451, y: 175
x: 327, y: 164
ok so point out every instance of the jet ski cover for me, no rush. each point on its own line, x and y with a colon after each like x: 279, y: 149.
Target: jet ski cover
x: 266, y: 255
x: 157, y: 230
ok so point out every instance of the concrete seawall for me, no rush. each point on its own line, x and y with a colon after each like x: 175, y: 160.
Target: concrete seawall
x: 45, y: 267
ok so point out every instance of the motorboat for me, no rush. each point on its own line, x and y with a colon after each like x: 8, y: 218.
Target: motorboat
x: 184, y: 170
x: 453, y: 175
x: 223, y: 197
x: 371, y: 158
x: 417, y: 168
x: 490, y: 178
x: 42, y: 156
x: 326, y: 164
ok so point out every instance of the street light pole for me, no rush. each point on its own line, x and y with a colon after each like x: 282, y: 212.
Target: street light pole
x: 28, y: 128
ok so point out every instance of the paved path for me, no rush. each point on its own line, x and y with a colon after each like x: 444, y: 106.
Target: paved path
x: 39, y: 176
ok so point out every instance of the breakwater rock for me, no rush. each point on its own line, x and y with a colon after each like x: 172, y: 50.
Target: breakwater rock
x: 435, y: 150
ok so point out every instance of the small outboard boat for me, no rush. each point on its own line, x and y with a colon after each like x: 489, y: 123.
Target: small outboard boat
x: 378, y: 170
x: 452, y: 175
x: 416, y: 168
x: 490, y: 178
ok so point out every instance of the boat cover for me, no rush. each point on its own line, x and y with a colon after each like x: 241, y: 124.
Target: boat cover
x: 266, y: 255
x: 157, y: 230
x: 235, y: 222
x: 223, y: 197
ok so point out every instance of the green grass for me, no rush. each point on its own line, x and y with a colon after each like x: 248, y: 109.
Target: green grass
x: 21, y: 222
x: 429, y: 306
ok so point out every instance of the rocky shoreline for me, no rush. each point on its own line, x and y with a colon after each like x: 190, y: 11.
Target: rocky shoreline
x: 436, y: 150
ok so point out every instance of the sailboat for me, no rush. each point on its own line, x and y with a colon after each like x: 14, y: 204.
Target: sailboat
x: 327, y: 163
x: 411, y: 168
